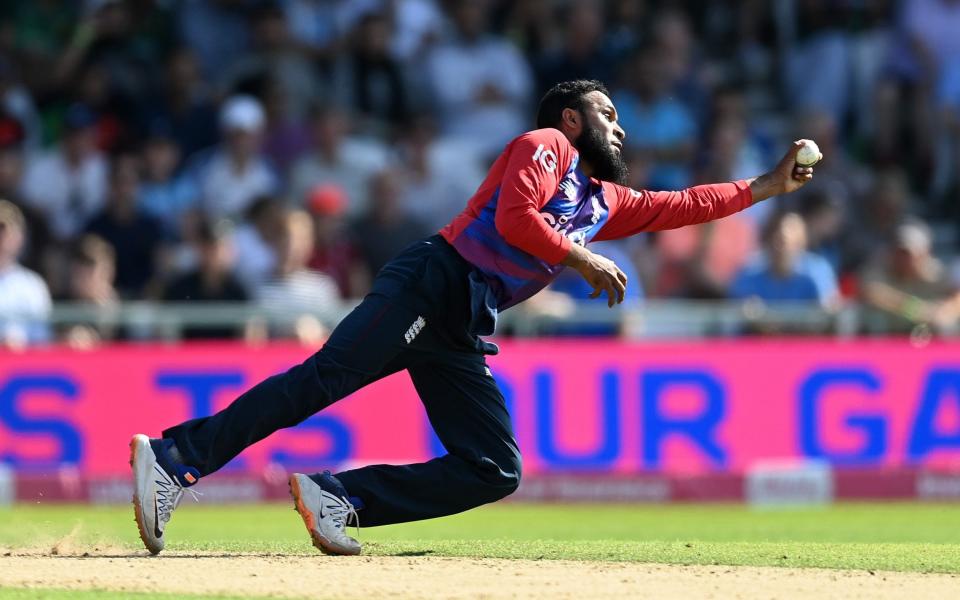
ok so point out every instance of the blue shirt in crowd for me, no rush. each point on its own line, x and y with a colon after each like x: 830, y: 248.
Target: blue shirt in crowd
x: 812, y: 280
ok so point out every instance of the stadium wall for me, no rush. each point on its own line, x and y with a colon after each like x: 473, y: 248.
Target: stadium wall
x: 765, y: 421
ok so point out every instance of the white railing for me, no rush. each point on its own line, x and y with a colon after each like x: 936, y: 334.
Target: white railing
x: 650, y: 319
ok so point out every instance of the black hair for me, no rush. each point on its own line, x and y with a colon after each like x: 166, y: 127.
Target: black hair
x: 566, y: 94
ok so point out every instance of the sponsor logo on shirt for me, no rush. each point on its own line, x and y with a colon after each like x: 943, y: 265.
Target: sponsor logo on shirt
x: 546, y: 157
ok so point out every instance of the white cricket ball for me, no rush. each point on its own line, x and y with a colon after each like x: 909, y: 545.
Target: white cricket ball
x: 809, y: 154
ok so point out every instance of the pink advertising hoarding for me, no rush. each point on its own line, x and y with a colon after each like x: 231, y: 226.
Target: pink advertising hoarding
x: 589, y: 406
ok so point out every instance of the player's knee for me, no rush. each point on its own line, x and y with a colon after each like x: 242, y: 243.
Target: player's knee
x: 506, y: 479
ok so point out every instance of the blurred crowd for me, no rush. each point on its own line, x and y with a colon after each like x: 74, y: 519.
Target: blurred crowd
x: 280, y: 152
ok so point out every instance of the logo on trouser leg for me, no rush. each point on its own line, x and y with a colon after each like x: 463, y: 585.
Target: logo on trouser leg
x: 415, y: 329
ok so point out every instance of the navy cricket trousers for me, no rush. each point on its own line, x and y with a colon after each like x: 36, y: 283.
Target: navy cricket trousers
x: 420, y: 316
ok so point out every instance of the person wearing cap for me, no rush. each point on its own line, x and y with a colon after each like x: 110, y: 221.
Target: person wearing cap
x: 12, y: 153
x: 24, y: 297
x: 237, y: 172
x: 908, y: 287
x: 338, y: 157
x: 334, y: 252
x: 69, y: 184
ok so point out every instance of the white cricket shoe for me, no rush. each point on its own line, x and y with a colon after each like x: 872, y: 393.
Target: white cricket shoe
x: 325, y: 515
x: 156, y: 494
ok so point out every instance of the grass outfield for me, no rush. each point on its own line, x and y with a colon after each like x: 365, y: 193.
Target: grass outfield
x: 894, y: 537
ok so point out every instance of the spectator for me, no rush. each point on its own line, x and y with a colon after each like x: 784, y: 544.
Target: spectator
x: 439, y: 174
x: 583, y: 55
x: 68, y: 184
x: 368, y: 78
x: 317, y: 27
x: 660, y: 129
x: 785, y: 271
x: 673, y: 39
x: 274, y: 56
x: 386, y: 229
x: 334, y: 253
x: 24, y: 297
x: 927, y: 46
x: 287, y: 136
x: 236, y: 172
x: 337, y: 158
x: 481, y: 84
x: 908, y: 287
x: 838, y: 174
x: 212, y: 281
x: 825, y: 219
x: 108, y: 36
x: 823, y: 41
x: 166, y: 195
x: 90, y: 276
x: 185, y: 105
x: 135, y: 236
x: 114, y: 111
x: 626, y: 21
x: 415, y: 24
x: 216, y: 31
x: 93, y: 267
x: 255, y: 241
x: 35, y: 33
x: 16, y: 103
x: 11, y: 176
x: 305, y: 301
x: 882, y: 209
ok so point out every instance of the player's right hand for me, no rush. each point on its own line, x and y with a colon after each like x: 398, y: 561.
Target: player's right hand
x: 600, y: 272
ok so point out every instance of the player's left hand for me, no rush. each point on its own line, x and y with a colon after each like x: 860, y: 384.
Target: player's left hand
x: 789, y: 176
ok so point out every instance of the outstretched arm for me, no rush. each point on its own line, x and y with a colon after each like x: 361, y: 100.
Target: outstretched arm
x: 633, y: 211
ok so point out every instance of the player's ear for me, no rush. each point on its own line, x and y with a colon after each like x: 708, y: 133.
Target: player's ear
x: 571, y: 119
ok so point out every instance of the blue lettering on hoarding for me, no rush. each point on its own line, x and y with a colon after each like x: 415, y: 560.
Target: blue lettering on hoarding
x: 67, y: 436
x: 942, y: 385
x: 700, y: 429
x: 200, y: 387
x: 873, y: 426
x: 341, y: 444
x: 608, y: 446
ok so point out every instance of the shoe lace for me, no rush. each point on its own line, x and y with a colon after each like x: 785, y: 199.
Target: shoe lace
x: 169, y: 496
x: 342, y: 514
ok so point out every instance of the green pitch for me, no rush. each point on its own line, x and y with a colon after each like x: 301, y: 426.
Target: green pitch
x: 897, y: 537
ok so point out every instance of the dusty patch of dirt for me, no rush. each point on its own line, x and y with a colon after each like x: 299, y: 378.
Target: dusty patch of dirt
x: 436, y: 577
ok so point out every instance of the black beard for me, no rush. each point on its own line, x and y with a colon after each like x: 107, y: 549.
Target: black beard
x: 607, y: 164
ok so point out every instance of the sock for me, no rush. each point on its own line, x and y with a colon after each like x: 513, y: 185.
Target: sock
x: 174, y: 453
x: 173, y: 463
x: 329, y: 483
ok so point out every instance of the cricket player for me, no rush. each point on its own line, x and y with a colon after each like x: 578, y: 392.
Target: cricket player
x: 551, y: 192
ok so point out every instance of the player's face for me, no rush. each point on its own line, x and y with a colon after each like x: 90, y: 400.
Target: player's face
x: 602, y: 115
x: 600, y: 142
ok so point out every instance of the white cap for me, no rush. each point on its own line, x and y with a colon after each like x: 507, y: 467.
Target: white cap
x: 242, y: 112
